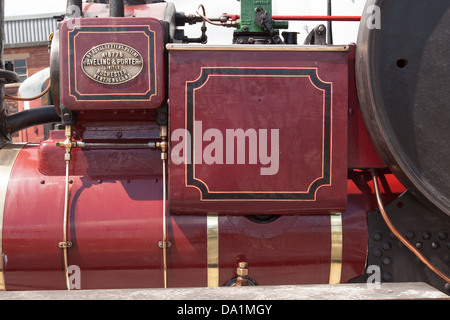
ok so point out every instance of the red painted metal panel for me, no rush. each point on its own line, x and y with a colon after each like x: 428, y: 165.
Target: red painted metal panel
x: 143, y: 37
x: 302, y: 96
x: 361, y: 151
x: 290, y: 250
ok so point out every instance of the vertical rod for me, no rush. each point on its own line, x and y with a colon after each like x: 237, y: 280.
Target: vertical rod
x: 74, y: 8
x: 2, y: 33
x: 116, y: 8
x: 3, y: 132
x: 329, y: 23
x: 164, y: 224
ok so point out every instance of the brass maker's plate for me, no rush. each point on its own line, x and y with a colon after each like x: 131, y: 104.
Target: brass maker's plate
x: 112, y: 63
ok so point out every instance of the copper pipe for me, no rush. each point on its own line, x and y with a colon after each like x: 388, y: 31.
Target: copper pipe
x: 398, y: 234
x: 65, y: 244
x: 43, y: 93
x: 65, y: 224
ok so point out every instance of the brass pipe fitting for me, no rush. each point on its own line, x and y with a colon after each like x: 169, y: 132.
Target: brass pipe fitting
x: 242, y: 272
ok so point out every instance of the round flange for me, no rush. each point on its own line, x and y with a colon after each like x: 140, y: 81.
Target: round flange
x: 402, y: 70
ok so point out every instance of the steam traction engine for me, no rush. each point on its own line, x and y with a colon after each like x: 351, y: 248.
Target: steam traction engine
x: 264, y: 162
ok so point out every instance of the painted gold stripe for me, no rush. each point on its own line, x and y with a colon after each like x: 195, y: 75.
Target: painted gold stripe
x: 336, y: 248
x: 212, y: 247
x: 8, y: 155
x: 243, y: 47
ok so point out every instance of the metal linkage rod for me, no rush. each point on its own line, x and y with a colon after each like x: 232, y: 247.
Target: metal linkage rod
x: 82, y: 144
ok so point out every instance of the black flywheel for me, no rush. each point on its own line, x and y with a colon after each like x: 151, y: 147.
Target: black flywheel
x: 403, y: 79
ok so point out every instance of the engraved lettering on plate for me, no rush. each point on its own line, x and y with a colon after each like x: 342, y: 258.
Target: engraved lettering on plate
x: 112, y: 63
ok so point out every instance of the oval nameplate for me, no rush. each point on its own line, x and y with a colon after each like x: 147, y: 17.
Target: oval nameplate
x: 112, y: 63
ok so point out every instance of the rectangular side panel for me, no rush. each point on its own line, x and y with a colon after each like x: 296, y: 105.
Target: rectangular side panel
x: 258, y: 132
x: 112, y: 63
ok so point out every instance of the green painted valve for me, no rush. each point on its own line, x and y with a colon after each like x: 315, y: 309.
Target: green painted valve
x: 253, y: 12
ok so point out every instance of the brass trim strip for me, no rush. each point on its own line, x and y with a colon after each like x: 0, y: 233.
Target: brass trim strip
x: 243, y: 47
x: 336, y: 248
x: 212, y: 248
x: 8, y: 156
x: 164, y: 226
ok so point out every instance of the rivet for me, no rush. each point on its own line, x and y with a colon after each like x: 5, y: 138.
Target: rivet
x: 42, y: 181
x: 447, y: 287
x: 442, y: 235
x: 435, y: 245
x: 377, y: 236
x: 426, y: 236
x: 386, y: 246
x: 156, y: 180
x: 99, y: 181
x: 377, y: 252
x: 418, y: 245
x: 386, y: 276
x: 386, y: 261
x: 410, y: 235
x: 128, y: 181
x: 70, y: 181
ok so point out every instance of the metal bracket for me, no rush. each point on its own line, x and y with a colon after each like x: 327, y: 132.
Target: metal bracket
x: 65, y: 244
x: 164, y: 244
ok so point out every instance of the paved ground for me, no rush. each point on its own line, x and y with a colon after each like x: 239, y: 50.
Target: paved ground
x: 388, y: 291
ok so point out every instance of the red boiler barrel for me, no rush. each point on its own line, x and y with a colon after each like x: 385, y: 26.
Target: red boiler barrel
x: 115, y: 225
